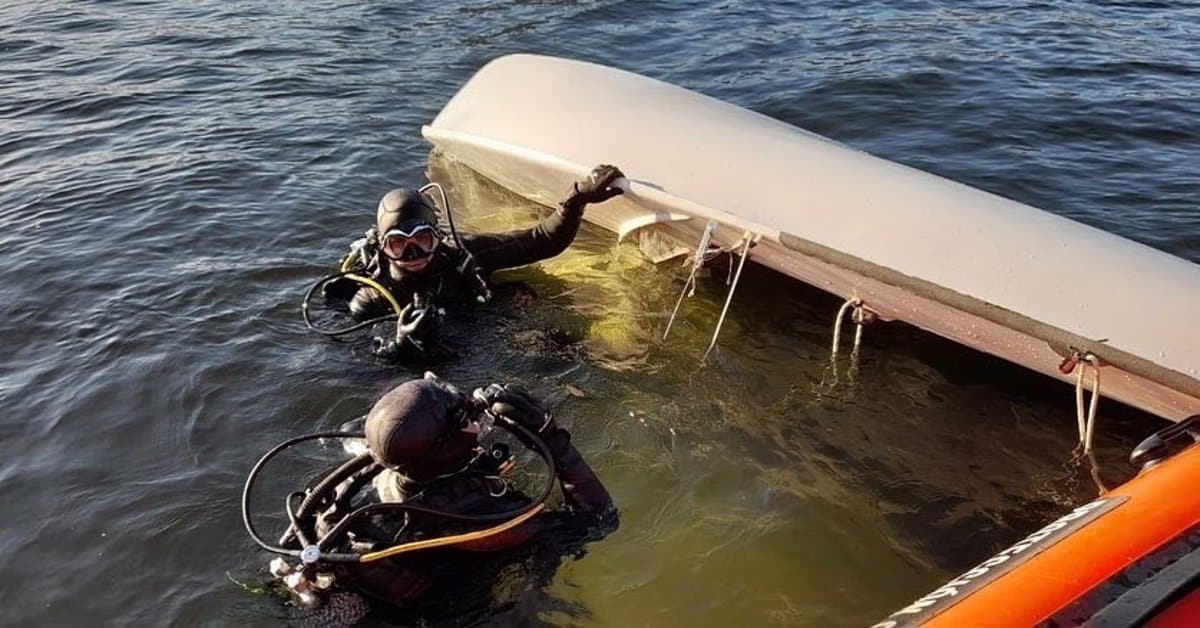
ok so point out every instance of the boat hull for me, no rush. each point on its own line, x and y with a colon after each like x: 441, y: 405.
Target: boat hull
x: 987, y: 272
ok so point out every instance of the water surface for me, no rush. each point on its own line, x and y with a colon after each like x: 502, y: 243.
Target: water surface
x: 172, y: 178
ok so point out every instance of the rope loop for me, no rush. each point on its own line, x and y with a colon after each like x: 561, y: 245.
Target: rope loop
x: 1086, y: 419
x: 859, y: 317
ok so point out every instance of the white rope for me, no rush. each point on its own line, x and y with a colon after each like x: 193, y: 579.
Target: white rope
x: 749, y: 237
x: 1087, y: 421
x: 689, y: 287
x: 1079, y: 417
x: 837, y: 327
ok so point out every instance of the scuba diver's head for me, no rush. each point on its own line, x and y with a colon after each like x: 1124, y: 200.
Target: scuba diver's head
x: 422, y: 429
x: 407, y: 226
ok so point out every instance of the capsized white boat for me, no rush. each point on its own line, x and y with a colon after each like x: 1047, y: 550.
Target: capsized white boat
x: 987, y: 272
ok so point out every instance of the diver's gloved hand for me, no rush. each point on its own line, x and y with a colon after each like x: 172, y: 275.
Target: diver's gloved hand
x: 413, y: 331
x: 518, y: 406
x: 598, y: 187
x: 414, y: 322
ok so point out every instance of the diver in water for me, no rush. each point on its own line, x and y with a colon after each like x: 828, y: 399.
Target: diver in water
x: 409, y: 518
x: 426, y: 443
x: 407, y: 266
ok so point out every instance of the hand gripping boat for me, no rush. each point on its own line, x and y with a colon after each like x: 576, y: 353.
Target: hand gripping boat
x: 1129, y: 558
x: 900, y: 244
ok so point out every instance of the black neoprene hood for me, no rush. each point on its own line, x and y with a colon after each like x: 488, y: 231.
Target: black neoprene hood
x: 404, y: 426
x: 404, y: 209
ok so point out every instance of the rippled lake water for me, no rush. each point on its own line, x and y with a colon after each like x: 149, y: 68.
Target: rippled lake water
x: 172, y: 177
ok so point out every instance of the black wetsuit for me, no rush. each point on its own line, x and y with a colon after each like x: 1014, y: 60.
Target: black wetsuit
x: 446, y: 279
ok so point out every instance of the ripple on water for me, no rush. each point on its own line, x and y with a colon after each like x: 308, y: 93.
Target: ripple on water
x: 173, y: 176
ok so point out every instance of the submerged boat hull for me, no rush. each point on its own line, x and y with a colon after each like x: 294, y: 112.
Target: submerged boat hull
x: 984, y: 271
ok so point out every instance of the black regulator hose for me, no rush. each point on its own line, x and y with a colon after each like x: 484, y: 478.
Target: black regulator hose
x: 341, y: 331
x: 318, y: 491
x: 295, y: 524
x: 446, y: 206
x: 349, y: 468
x: 485, y: 293
x: 248, y: 488
x: 542, y: 450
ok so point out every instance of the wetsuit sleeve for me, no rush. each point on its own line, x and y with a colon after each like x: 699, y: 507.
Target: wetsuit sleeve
x: 551, y: 236
x: 367, y: 303
x: 581, y: 487
x: 588, y: 506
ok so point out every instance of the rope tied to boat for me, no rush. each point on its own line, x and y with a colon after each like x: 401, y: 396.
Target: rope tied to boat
x: 698, y: 259
x: 1080, y: 362
x: 860, y: 317
x: 703, y: 254
x: 748, y: 239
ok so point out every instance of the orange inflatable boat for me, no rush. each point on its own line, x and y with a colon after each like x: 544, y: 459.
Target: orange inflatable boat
x: 1129, y: 558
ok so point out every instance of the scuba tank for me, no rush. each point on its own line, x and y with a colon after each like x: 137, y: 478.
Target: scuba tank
x: 329, y: 523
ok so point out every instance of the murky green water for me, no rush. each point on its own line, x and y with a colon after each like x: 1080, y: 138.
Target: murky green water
x: 769, y: 484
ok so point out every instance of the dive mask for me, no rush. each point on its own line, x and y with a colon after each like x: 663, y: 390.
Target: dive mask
x: 401, y: 245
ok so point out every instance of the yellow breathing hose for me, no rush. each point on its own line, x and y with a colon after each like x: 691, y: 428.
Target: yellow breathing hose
x: 454, y: 539
x: 387, y: 294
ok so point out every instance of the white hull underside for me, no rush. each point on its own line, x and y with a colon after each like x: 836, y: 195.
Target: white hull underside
x: 981, y: 270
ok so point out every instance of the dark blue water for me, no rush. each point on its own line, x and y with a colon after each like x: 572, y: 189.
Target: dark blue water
x: 173, y: 177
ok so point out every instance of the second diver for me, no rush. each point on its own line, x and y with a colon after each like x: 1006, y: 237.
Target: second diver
x: 407, y: 266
